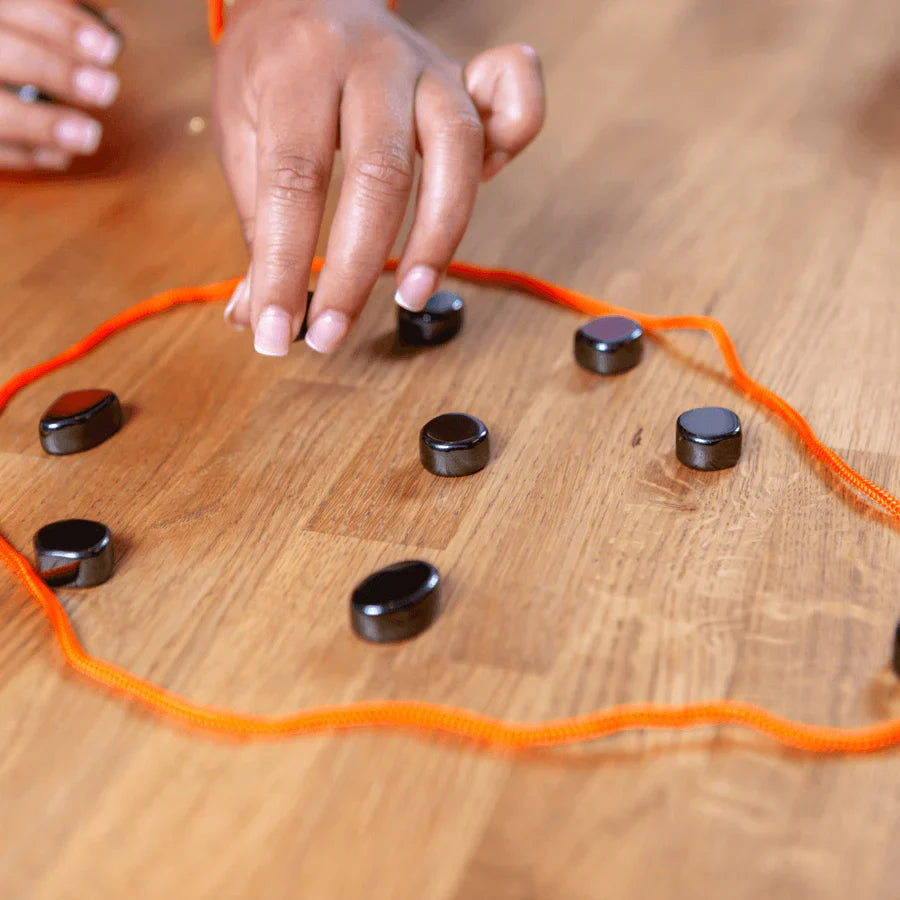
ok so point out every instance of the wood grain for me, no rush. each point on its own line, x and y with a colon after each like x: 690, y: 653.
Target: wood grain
x: 740, y: 159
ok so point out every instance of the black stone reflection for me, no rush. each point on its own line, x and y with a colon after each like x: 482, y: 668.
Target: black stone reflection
x: 80, y: 420
x: 454, y: 444
x: 305, y: 326
x: 708, y: 438
x: 440, y: 320
x: 397, y: 602
x: 30, y: 93
x: 74, y: 553
x: 609, y: 345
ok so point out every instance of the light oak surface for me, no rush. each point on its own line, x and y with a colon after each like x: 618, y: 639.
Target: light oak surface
x: 740, y: 159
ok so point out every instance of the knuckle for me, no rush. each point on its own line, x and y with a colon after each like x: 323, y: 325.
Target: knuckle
x: 468, y: 128
x: 298, y: 180
x: 385, y: 172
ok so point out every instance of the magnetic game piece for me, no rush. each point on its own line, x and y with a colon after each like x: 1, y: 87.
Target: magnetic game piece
x: 896, y: 659
x: 609, y: 345
x: 79, y: 421
x: 30, y: 93
x: 397, y: 602
x: 74, y: 553
x: 439, y: 320
x: 708, y: 438
x: 454, y: 444
x: 305, y: 326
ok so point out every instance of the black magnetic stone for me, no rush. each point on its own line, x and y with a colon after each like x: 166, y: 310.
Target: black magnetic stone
x: 609, y: 345
x: 30, y: 93
x: 708, y: 438
x: 74, y: 553
x: 896, y: 659
x: 305, y: 326
x: 439, y: 320
x: 79, y: 421
x: 397, y: 602
x: 454, y: 444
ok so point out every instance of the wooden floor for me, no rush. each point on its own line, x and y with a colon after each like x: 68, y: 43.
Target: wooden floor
x: 741, y: 159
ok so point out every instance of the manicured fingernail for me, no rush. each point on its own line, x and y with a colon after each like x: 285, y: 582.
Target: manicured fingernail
x: 96, y: 86
x: 493, y: 164
x: 79, y: 135
x: 239, y: 296
x: 48, y: 158
x: 327, y: 332
x: 97, y: 44
x: 272, y: 336
x: 417, y: 286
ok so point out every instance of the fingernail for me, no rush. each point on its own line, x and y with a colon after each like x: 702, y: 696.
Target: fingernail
x: 97, y: 44
x: 493, y: 164
x: 327, y: 332
x: 417, y: 286
x: 48, y: 158
x: 96, y: 86
x: 239, y: 296
x: 80, y: 135
x: 272, y: 336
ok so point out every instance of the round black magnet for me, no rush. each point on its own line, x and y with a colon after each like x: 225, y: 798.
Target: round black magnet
x: 896, y: 659
x: 454, y: 444
x: 609, y: 345
x: 439, y: 320
x: 80, y: 420
x: 74, y: 553
x: 305, y: 326
x: 30, y: 93
x: 396, y: 602
x: 708, y: 438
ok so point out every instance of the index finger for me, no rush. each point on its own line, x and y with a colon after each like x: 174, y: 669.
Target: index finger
x: 295, y: 156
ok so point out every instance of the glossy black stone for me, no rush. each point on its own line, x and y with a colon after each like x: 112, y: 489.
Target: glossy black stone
x: 896, y: 658
x: 305, y: 326
x: 439, y: 320
x: 708, y: 438
x: 609, y: 345
x: 74, y: 553
x: 454, y: 444
x: 30, y: 93
x: 79, y: 421
x: 397, y: 602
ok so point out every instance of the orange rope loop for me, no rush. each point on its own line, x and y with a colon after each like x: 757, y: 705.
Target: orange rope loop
x: 408, y: 714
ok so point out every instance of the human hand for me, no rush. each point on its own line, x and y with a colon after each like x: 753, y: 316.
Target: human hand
x: 297, y: 79
x: 63, y: 50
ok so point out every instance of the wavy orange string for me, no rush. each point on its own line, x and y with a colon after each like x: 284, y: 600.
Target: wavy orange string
x: 435, y: 717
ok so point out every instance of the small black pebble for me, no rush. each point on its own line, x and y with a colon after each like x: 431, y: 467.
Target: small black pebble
x: 396, y: 603
x: 454, y: 444
x: 79, y: 421
x: 305, y: 326
x: 896, y: 659
x: 74, y: 553
x: 609, y: 345
x: 708, y: 438
x: 439, y: 320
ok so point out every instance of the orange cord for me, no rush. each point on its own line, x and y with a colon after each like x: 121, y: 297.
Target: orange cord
x: 435, y: 717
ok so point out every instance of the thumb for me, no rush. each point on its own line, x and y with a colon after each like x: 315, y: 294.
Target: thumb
x: 507, y: 87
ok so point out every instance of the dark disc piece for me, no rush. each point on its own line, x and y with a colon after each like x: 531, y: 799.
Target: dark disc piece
x: 397, y: 602
x: 609, y: 345
x: 896, y: 659
x: 439, y: 320
x: 708, y: 438
x: 101, y: 16
x: 74, y: 553
x: 454, y: 444
x: 305, y: 326
x: 79, y: 421
x: 30, y: 93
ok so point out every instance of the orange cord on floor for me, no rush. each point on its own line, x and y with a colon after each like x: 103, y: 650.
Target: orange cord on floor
x: 433, y: 717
